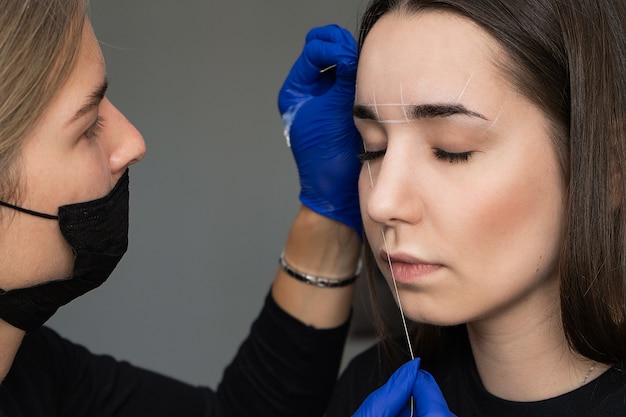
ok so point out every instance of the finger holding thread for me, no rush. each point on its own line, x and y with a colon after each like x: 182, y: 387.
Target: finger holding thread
x: 429, y: 400
x: 393, y: 398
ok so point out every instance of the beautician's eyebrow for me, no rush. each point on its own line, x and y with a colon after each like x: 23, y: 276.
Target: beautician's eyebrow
x: 93, y: 100
x: 417, y: 111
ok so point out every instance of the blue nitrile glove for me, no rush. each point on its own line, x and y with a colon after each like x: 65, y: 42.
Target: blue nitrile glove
x: 393, y: 398
x: 316, y: 105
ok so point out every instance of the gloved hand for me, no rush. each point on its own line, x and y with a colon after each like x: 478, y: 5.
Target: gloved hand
x: 316, y: 102
x: 393, y: 398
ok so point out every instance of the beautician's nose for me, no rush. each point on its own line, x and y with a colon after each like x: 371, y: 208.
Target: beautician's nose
x: 125, y: 143
x: 395, y: 197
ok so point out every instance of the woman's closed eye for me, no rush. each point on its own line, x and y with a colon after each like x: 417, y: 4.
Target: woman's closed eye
x: 95, y: 129
x: 452, y: 157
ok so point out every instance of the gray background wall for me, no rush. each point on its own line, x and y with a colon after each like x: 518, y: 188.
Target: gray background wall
x: 213, y: 199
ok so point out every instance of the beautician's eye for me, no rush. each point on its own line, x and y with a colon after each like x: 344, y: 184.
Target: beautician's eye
x: 95, y: 129
x: 452, y: 157
x: 368, y: 156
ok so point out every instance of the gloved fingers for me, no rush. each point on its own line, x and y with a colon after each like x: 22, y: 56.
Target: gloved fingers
x: 392, y: 398
x: 306, y: 79
x: 429, y: 401
x: 328, y: 61
x: 345, y: 58
x: 333, y: 34
x: 318, y: 55
x: 345, y: 74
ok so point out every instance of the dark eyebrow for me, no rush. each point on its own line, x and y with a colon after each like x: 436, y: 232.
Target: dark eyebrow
x: 93, y: 100
x: 419, y: 111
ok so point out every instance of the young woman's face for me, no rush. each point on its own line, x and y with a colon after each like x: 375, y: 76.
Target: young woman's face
x: 467, y: 197
x: 77, y: 152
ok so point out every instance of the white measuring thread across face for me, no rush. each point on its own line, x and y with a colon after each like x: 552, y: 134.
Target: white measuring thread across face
x: 393, y: 278
x: 405, y: 120
x: 382, y: 231
x: 469, y: 79
x: 402, y: 105
x: 395, y: 286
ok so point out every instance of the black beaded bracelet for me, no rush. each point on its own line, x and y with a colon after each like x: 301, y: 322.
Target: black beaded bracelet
x: 317, y: 281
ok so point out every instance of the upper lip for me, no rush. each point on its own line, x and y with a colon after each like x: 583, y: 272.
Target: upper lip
x: 403, y: 258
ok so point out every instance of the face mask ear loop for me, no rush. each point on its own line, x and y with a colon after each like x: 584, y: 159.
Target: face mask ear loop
x: 31, y: 212
x: 395, y: 286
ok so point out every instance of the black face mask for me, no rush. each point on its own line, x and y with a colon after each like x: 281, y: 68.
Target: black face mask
x: 97, y: 231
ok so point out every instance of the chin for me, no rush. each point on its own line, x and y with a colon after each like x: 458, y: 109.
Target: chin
x: 435, y: 317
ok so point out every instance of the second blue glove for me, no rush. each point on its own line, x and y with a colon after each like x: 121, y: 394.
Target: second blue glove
x: 316, y: 102
x: 393, y: 398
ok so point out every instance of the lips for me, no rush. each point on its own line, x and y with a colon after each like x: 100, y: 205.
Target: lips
x: 408, y: 269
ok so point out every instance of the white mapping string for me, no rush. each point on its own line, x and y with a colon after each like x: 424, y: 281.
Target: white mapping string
x: 369, y: 170
x: 393, y: 278
x: 464, y: 88
x: 395, y: 284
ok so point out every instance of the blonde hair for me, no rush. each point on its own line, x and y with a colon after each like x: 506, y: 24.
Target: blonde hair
x: 39, y: 42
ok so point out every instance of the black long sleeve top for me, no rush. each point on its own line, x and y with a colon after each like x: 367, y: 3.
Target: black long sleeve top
x: 455, y: 371
x: 283, y: 368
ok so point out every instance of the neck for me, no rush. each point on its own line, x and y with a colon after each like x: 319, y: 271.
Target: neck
x: 10, y: 340
x: 523, y: 355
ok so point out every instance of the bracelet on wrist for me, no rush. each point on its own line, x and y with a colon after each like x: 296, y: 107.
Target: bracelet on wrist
x: 318, y: 281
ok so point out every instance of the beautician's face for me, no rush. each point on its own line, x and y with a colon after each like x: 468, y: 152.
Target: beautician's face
x: 65, y: 160
x: 468, y: 194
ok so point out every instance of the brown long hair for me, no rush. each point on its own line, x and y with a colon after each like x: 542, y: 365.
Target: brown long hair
x: 39, y: 42
x: 569, y: 58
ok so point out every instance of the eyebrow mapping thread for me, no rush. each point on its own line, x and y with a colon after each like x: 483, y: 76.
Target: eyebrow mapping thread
x: 465, y: 88
x: 395, y: 286
x: 377, y: 116
x: 406, y: 116
x: 402, y: 104
x: 393, y: 278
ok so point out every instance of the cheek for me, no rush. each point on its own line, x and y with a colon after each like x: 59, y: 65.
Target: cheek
x: 513, y: 221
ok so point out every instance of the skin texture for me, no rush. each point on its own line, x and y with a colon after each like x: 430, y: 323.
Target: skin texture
x: 467, y: 195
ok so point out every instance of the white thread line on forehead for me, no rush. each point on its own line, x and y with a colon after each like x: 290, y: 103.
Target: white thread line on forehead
x: 376, y: 106
x: 406, y: 116
x: 403, y: 104
x: 383, y: 104
x: 418, y: 111
x: 465, y: 88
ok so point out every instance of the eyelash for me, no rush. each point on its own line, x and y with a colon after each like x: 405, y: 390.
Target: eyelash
x: 450, y: 157
x: 95, y: 129
x: 368, y: 156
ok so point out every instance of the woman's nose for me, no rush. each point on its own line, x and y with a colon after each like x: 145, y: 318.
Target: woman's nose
x: 394, y: 196
x: 126, y: 144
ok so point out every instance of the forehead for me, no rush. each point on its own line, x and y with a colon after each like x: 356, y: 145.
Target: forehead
x: 89, y: 66
x: 88, y: 73
x: 431, y: 55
